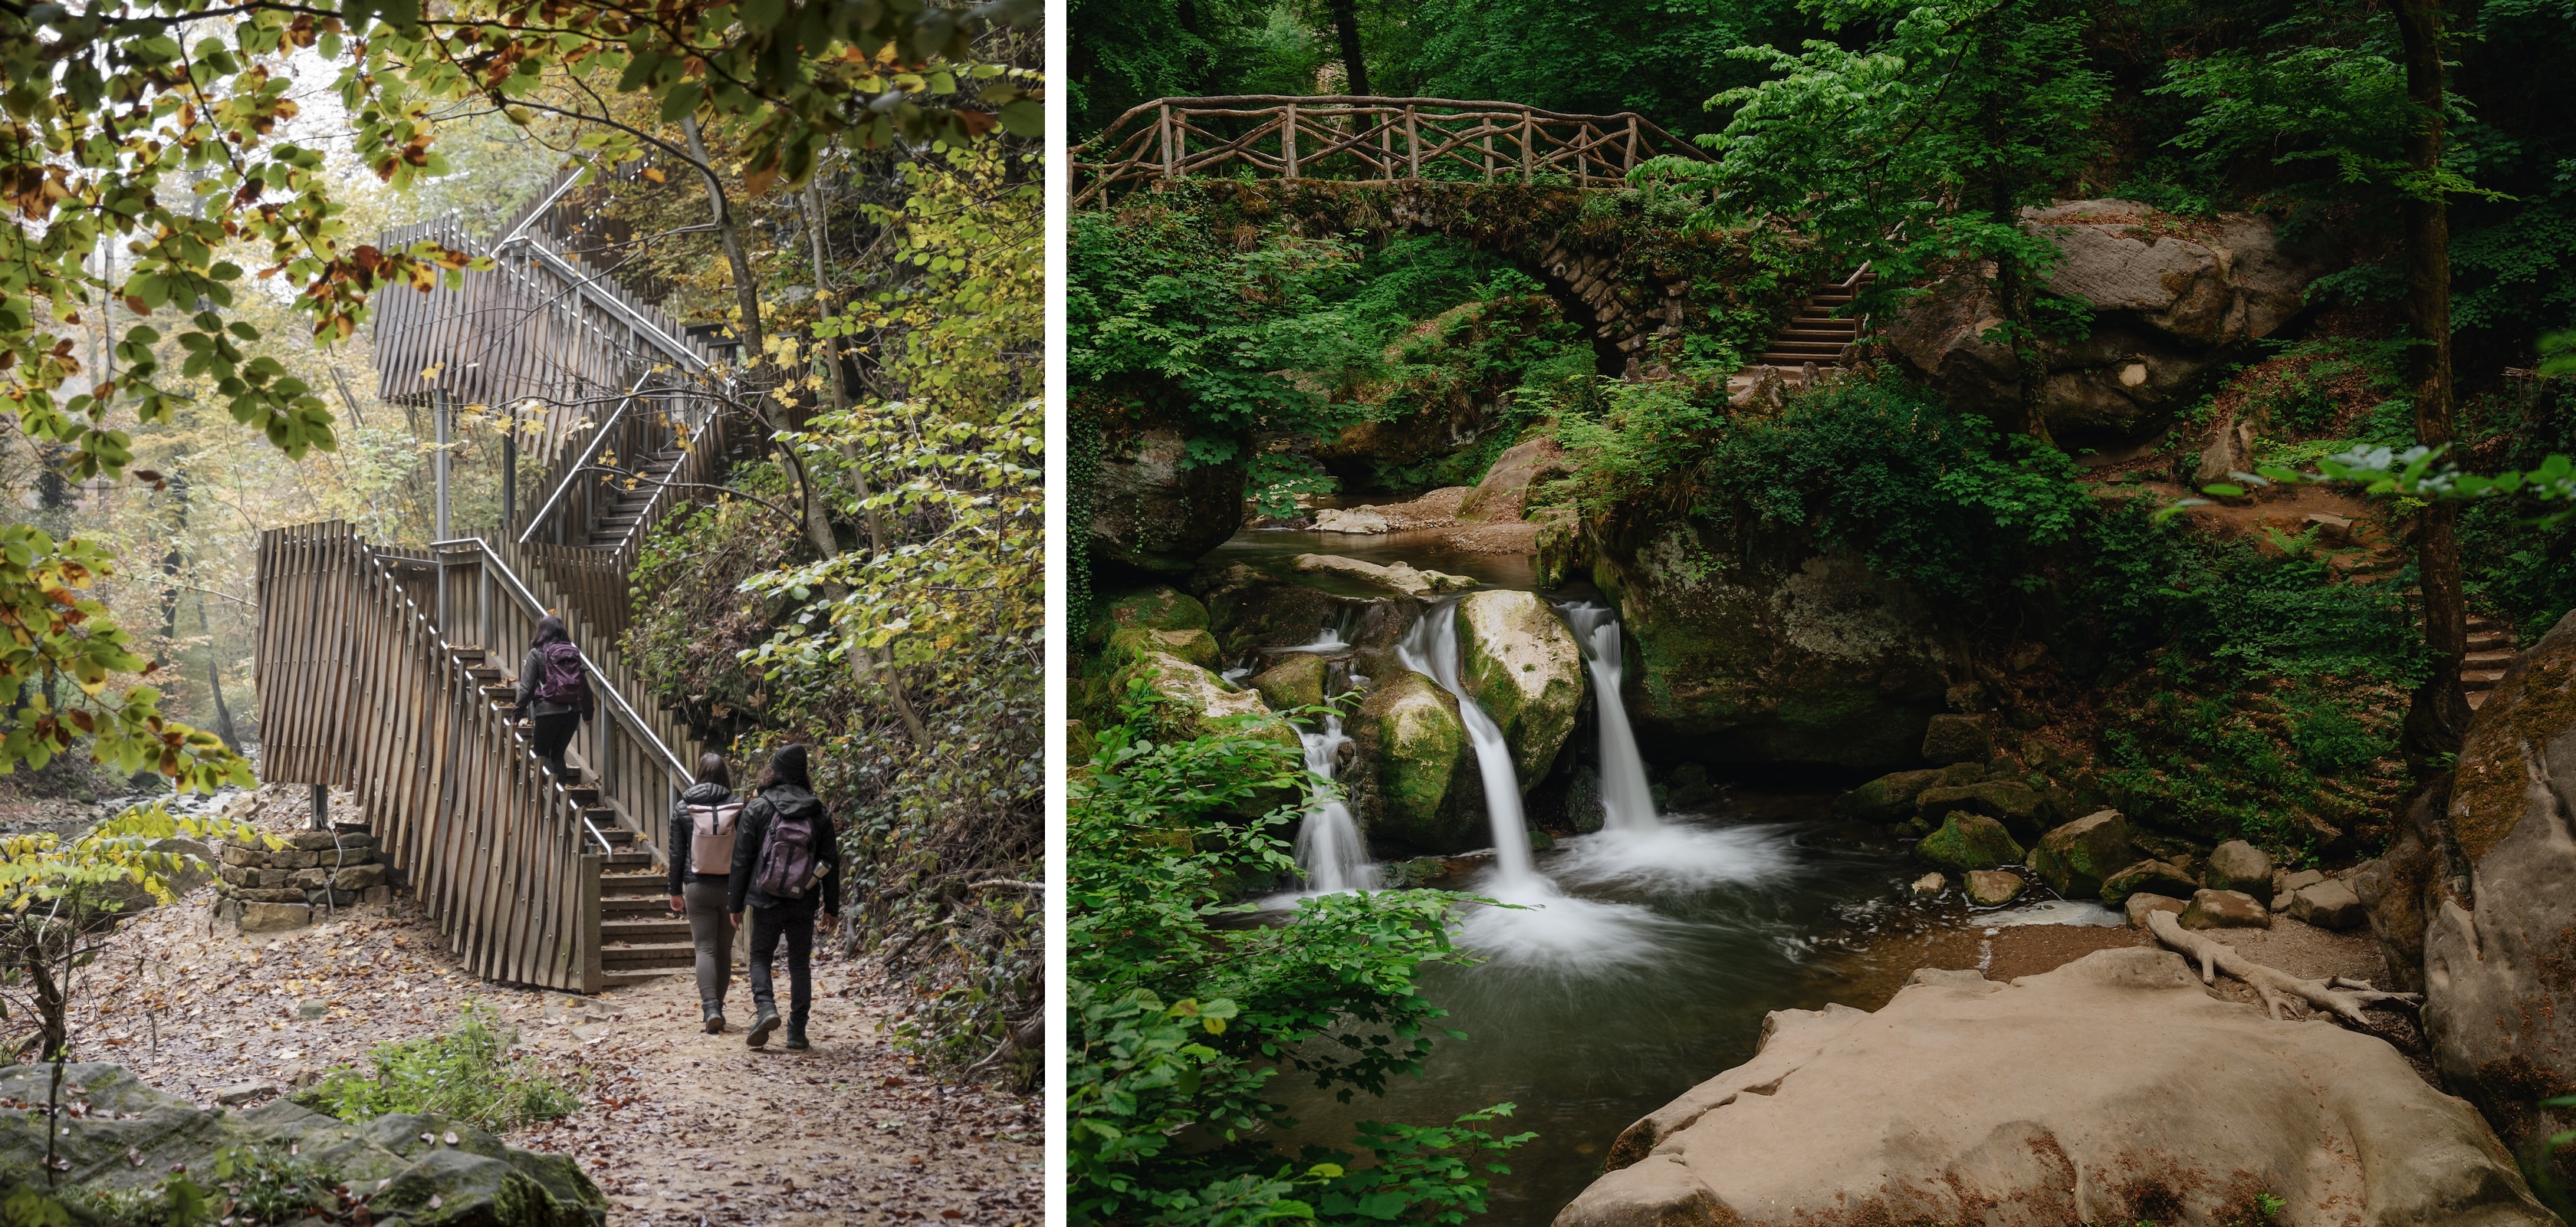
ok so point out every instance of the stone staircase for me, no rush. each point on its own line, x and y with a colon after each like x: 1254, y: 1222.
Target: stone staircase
x: 2491, y: 650
x: 640, y: 938
x: 1814, y: 336
x: 631, y: 502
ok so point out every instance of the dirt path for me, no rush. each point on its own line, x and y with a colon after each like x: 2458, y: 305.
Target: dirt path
x: 677, y: 1126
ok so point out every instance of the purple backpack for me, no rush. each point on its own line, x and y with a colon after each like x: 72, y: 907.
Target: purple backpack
x: 562, y: 680
x: 787, y: 865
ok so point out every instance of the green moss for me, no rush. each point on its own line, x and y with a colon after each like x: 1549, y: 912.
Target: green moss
x: 1969, y: 841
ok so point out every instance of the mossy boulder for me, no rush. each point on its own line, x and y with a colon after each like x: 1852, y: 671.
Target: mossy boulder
x: 1522, y: 666
x: 1293, y: 681
x: 1198, y: 702
x: 1950, y: 738
x: 1415, y: 770
x: 1159, y: 608
x: 1250, y: 609
x: 123, y: 1135
x: 1887, y: 798
x: 1128, y: 643
x: 2077, y: 858
x: 2013, y: 804
x: 1968, y: 841
x: 2151, y: 877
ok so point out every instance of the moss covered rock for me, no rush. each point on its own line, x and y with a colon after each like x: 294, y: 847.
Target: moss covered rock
x: 1521, y: 665
x: 1128, y: 643
x: 1951, y: 738
x: 2151, y: 877
x: 1159, y: 608
x: 1293, y: 681
x: 1416, y: 767
x: 2077, y: 858
x: 1968, y: 841
x: 1199, y: 702
x: 2015, y: 805
x: 1887, y: 798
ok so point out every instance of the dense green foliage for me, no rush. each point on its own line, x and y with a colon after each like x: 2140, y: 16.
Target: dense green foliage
x: 463, y: 1073
x: 1183, y: 1011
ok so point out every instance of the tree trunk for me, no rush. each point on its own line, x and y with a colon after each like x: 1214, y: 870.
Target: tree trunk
x: 1346, y: 22
x: 215, y: 682
x: 2439, y: 716
x: 2011, y: 289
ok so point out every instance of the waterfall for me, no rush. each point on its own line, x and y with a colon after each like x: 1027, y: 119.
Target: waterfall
x: 1332, y: 636
x: 1329, y: 848
x: 1626, y: 802
x: 1431, y: 646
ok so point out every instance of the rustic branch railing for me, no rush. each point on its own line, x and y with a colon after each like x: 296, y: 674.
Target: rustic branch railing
x: 358, y: 689
x: 1364, y: 139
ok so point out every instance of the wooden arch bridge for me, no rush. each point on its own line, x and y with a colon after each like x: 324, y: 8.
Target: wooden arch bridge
x: 388, y: 671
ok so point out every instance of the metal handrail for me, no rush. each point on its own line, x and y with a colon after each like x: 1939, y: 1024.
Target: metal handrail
x: 664, y: 486
x: 582, y: 283
x: 597, y: 438
x: 528, y: 602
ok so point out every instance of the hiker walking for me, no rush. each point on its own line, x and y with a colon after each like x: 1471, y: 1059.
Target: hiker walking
x: 554, y: 691
x: 703, y: 823
x: 786, y: 866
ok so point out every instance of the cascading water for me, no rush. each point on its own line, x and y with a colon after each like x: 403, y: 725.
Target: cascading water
x: 1329, y: 849
x: 1332, y: 636
x: 1430, y: 646
x: 1627, y: 804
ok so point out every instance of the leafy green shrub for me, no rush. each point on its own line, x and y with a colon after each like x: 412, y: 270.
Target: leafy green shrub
x: 463, y: 1073
x: 250, y: 1186
x: 1183, y: 1013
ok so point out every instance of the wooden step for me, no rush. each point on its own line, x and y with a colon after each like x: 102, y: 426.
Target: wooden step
x: 630, y: 958
x: 627, y: 979
x: 630, y: 860
x: 583, y: 795
x: 633, y: 884
x: 638, y: 931
x: 630, y: 906
x: 467, y: 654
x: 1829, y: 336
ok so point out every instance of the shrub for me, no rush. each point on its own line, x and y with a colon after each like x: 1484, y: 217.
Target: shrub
x: 463, y: 1073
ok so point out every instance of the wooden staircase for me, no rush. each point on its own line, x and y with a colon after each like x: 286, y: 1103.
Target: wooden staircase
x: 629, y: 503
x: 2491, y: 651
x: 640, y: 939
x: 1814, y: 337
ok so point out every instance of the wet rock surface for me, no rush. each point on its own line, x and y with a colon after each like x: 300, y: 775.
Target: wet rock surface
x: 1153, y: 511
x: 2159, y: 1102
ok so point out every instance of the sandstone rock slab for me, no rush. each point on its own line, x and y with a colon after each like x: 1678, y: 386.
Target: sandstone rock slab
x: 1399, y: 577
x: 2158, y: 1102
x: 1953, y: 738
x: 2225, y: 909
x: 2327, y: 905
x: 2140, y: 904
x: 1153, y: 510
x: 1994, y: 887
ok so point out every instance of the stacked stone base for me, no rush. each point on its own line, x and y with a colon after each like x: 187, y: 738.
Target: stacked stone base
x: 260, y: 890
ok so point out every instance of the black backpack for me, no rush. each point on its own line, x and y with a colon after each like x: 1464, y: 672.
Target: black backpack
x: 788, y: 865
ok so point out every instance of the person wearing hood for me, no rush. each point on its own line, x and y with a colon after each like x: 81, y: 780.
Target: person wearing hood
x: 554, y: 692
x: 703, y: 826
x: 786, y: 867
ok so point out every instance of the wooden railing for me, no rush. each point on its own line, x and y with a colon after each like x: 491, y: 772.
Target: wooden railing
x: 569, y: 534
x: 359, y: 689
x: 635, y: 754
x: 1364, y: 139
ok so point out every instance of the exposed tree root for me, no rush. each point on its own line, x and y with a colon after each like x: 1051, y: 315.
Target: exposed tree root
x: 2340, y: 996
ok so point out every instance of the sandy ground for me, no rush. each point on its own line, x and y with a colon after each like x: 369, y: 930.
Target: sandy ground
x: 678, y: 1126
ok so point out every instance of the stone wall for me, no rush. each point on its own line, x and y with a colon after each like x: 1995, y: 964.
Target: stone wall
x: 263, y: 890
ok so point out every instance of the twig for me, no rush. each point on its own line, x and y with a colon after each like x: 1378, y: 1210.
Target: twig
x: 1009, y: 883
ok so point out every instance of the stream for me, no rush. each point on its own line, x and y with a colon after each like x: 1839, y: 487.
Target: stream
x: 1635, y: 962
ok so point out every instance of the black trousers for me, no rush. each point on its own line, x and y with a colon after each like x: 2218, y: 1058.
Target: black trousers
x: 768, y: 924
x: 550, y: 734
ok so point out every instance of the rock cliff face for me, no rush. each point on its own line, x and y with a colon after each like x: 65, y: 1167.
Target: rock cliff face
x: 1153, y: 512
x: 1756, y: 649
x: 2500, y: 960
x: 2172, y: 299
x: 2112, y: 1090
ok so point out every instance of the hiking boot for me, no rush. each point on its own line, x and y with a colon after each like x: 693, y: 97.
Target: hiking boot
x: 715, y: 1018
x: 796, y: 1035
x: 762, y: 1026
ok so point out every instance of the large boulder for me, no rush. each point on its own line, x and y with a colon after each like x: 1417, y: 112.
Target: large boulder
x: 123, y: 1135
x: 2173, y: 300
x: 1505, y: 488
x: 1968, y: 842
x: 1293, y: 681
x: 1415, y: 780
x: 1155, y: 511
x: 1754, y: 649
x: 2114, y: 1089
x: 2077, y: 858
x: 1197, y: 702
x: 2500, y: 958
x: 1127, y: 643
x: 1521, y: 665
x: 1247, y: 608
x: 2239, y: 866
x: 1887, y: 798
x: 2010, y: 802
x: 2151, y: 877
x: 1398, y: 577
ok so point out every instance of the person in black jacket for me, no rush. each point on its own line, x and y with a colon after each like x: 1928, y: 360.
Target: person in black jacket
x: 553, y: 720
x: 699, y: 871
x: 784, y: 790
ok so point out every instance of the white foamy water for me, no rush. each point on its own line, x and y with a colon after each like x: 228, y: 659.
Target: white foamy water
x: 1675, y: 858
x: 1431, y: 646
x: 1333, y: 637
x: 1330, y: 851
x: 1627, y: 803
x: 2056, y: 912
x: 1547, y: 929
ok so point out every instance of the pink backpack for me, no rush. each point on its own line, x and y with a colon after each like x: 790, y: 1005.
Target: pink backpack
x: 711, y: 832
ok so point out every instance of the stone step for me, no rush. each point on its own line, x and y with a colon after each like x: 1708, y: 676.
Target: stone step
x: 2481, y: 679
x: 2491, y: 658
x: 628, y: 979
x: 1818, y: 335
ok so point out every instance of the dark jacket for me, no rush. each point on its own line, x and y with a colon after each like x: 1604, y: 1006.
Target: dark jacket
x: 533, y: 671
x: 683, y: 829
x: 752, y: 835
